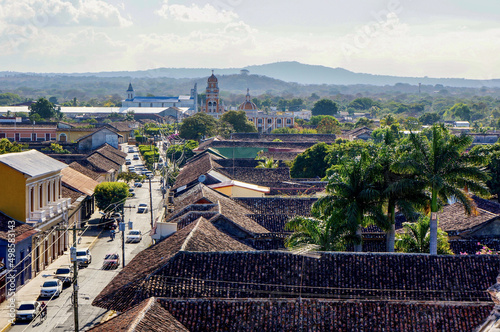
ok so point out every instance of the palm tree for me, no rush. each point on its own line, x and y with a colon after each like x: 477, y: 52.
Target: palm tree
x: 416, y: 238
x: 310, y: 232
x: 436, y: 161
x: 267, y: 163
x: 352, y: 200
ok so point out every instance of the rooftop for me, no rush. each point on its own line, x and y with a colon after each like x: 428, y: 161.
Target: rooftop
x: 32, y: 163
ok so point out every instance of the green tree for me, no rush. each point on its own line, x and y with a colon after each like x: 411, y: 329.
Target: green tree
x: 44, y: 108
x: 239, y: 121
x: 108, y: 195
x: 7, y: 146
x: 364, y: 122
x: 311, y: 233
x: 388, y: 120
x: 197, y: 126
x: 325, y: 107
x: 429, y: 119
x: 329, y: 126
x: 412, y: 124
x: 416, y: 238
x: 224, y: 129
x: 128, y: 176
x: 461, y: 111
x: 57, y: 148
x: 267, y: 163
x: 363, y: 104
x: 436, y: 160
x: 311, y: 163
x: 352, y: 200
x: 491, y: 154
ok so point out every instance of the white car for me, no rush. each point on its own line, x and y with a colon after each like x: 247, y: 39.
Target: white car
x: 84, y: 257
x: 134, y: 236
x: 51, y: 287
x: 28, y: 310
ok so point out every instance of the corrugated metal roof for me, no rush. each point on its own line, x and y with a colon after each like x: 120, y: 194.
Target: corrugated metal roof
x: 32, y: 163
x: 78, y: 181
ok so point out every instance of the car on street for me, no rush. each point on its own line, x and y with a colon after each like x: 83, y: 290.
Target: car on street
x: 142, y: 208
x: 84, y: 257
x: 28, y: 310
x: 136, y: 157
x: 131, y: 192
x: 131, y: 149
x: 137, y: 184
x: 149, y: 174
x: 65, y: 274
x: 131, y: 169
x: 111, y: 261
x: 51, y: 287
x: 134, y: 235
x: 128, y: 161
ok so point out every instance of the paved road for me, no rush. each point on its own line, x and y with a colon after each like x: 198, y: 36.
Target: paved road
x: 93, y: 279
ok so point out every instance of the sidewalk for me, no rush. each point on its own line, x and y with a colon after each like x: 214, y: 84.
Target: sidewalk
x: 31, y: 290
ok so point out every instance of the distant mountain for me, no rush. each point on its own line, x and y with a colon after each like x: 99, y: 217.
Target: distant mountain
x: 284, y: 71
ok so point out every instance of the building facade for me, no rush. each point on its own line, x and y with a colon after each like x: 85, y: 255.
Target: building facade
x: 213, y: 105
x: 188, y: 101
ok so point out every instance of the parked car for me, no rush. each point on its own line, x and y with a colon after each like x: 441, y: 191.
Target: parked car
x: 136, y: 157
x: 142, y: 208
x: 84, y: 257
x: 51, y: 287
x: 149, y: 174
x: 65, y: 274
x: 131, y: 149
x: 28, y: 310
x: 111, y: 261
x: 131, y: 192
x: 137, y: 184
x: 131, y: 169
x: 134, y: 236
x: 128, y: 162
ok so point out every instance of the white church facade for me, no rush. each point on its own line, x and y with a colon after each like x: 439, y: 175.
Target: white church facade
x: 183, y: 101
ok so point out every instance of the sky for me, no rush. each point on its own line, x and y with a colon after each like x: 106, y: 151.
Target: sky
x: 438, y: 38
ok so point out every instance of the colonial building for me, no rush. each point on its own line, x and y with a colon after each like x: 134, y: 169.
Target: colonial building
x: 32, y: 194
x: 213, y: 105
x: 265, y: 122
x: 189, y: 101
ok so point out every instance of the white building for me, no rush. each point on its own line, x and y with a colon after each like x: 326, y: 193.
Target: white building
x: 183, y: 101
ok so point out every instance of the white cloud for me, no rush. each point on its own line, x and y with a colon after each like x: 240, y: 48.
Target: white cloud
x: 44, y: 13
x: 194, y: 13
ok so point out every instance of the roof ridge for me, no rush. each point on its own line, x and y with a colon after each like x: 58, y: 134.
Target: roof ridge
x: 142, y: 313
x: 188, y: 238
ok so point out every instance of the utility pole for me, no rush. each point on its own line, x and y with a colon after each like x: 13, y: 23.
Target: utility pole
x: 122, y: 229
x: 151, y: 204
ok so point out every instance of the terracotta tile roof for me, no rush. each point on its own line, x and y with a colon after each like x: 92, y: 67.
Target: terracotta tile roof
x: 123, y: 125
x: 71, y: 193
x: 149, y: 315
x: 21, y: 230
x: 487, y: 205
x: 268, y: 177
x: 76, y: 180
x: 114, y: 154
x: 197, y: 166
x: 199, y: 235
x: 102, y: 163
x: 87, y: 170
x: 210, y: 314
x: 453, y: 218
x: 107, y: 158
x: 255, y: 144
x: 201, y: 194
x: 332, y: 275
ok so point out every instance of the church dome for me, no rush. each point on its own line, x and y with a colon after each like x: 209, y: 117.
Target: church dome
x: 212, y: 79
x: 248, y: 105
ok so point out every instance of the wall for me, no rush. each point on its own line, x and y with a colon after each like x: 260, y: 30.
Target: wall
x: 13, y: 201
x: 23, y: 250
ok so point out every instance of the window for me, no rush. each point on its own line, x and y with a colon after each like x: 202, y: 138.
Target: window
x: 151, y: 105
x: 2, y: 135
x: 17, y: 137
x: 140, y: 105
x: 288, y: 121
x: 278, y: 121
x: 269, y: 121
x: 33, y: 137
x: 62, y: 138
x: 259, y: 121
x: 47, y: 136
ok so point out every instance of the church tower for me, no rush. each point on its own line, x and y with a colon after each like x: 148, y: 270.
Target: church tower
x: 212, y: 95
x: 130, y: 92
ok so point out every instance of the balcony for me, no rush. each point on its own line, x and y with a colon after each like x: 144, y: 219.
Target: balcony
x: 52, y: 210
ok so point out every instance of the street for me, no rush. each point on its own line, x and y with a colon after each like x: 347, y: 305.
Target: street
x: 93, y: 279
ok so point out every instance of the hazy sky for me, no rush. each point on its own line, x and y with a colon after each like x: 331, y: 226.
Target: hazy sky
x: 438, y: 38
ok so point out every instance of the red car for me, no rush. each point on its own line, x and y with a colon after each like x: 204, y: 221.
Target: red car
x: 111, y: 261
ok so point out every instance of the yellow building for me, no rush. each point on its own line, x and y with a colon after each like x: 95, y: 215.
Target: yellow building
x: 240, y: 189
x: 32, y: 193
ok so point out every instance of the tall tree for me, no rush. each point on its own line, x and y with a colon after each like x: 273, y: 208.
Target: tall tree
x: 416, y: 238
x: 312, y: 162
x: 325, y: 107
x: 239, y: 121
x: 44, y: 108
x: 436, y: 160
x: 197, y: 126
x: 108, y: 195
x: 311, y: 233
x: 352, y: 199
